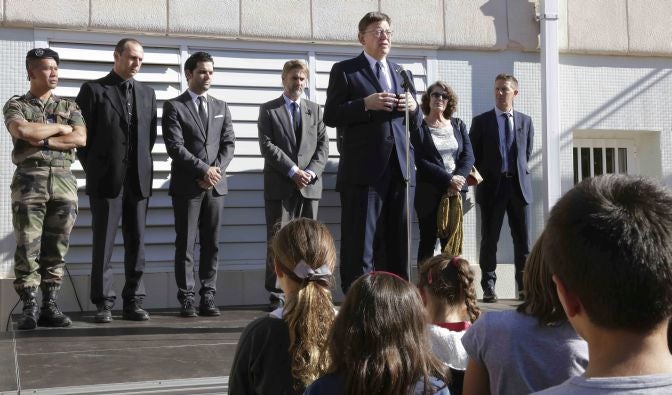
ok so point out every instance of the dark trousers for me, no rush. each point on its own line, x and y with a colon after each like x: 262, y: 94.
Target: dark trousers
x: 373, y: 227
x: 278, y: 214
x: 197, y: 216
x: 508, y: 200
x: 428, y: 228
x: 131, y: 208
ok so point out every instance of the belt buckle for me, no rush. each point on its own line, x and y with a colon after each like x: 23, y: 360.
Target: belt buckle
x: 507, y: 174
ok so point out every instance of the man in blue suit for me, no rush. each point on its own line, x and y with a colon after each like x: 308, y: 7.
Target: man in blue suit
x: 365, y: 101
x: 502, y: 142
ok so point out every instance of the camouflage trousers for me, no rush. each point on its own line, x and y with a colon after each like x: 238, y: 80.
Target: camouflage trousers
x: 44, y: 209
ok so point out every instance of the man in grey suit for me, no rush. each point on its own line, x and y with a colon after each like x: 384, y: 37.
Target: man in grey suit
x: 199, y: 138
x: 295, y: 146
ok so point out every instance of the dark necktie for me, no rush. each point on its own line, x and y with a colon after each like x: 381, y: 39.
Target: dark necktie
x: 507, y: 131
x: 296, y: 122
x: 509, y: 152
x: 380, y: 74
x: 202, y: 114
x: 128, y: 92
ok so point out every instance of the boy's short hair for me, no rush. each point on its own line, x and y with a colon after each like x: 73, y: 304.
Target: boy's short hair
x: 609, y: 240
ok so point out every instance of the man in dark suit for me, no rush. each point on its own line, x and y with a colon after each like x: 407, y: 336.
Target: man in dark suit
x: 199, y: 137
x: 120, y: 115
x: 502, y: 142
x: 295, y: 146
x: 365, y: 101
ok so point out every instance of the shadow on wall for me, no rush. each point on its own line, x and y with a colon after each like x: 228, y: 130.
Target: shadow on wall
x: 482, y: 80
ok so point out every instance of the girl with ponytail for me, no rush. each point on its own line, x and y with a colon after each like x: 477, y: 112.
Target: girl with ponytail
x: 283, y: 352
x: 447, y: 288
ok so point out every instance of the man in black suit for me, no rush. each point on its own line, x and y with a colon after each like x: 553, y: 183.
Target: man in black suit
x: 502, y: 142
x: 120, y: 115
x: 199, y: 137
x: 295, y: 146
x: 365, y: 101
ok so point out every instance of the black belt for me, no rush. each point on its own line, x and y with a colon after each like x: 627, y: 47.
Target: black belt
x: 45, y: 163
x: 507, y: 174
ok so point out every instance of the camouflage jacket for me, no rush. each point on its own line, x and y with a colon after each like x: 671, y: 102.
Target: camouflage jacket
x: 32, y: 109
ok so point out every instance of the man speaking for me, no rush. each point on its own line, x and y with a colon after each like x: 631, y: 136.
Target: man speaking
x: 365, y: 101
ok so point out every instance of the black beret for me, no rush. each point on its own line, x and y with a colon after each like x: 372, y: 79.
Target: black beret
x: 42, y: 53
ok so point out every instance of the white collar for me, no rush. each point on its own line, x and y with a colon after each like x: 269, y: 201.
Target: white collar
x: 373, y: 61
x: 289, y: 101
x: 499, y: 112
x: 278, y: 313
x: 194, y: 97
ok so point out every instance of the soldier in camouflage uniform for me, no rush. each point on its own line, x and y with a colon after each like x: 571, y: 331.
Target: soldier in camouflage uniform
x: 45, y: 131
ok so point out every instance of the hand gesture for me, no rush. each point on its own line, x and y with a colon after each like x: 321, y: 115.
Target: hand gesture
x: 412, y: 104
x: 301, y: 179
x: 212, y: 176
x: 381, y: 101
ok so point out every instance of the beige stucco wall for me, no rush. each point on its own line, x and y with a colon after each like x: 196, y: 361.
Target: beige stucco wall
x: 622, y: 27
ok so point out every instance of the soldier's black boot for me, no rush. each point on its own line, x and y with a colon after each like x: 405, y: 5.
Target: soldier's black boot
x: 50, y: 314
x: 28, y: 319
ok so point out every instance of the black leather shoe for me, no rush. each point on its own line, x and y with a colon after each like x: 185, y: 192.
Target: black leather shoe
x: 188, y: 309
x: 489, y: 295
x: 134, y: 312
x: 31, y: 311
x: 207, y: 307
x: 276, y: 304
x: 103, y: 315
x: 50, y: 314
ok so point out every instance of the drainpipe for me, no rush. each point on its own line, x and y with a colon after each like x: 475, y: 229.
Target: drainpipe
x: 550, y: 60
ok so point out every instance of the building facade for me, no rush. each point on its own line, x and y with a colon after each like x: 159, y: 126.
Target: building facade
x: 615, y: 79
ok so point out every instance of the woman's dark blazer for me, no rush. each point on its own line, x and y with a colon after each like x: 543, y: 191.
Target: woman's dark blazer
x: 432, y: 178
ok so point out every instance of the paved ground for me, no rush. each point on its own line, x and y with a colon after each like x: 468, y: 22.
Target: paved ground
x: 168, y: 354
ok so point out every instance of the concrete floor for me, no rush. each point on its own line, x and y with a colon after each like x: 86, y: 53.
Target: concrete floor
x: 167, y: 354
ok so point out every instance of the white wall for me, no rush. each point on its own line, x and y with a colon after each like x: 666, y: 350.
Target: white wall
x: 607, y: 83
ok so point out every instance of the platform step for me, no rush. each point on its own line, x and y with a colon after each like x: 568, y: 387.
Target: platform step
x: 203, y: 385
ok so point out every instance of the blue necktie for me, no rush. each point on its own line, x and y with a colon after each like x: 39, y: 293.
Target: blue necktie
x: 380, y: 74
x: 508, y: 151
x: 507, y: 131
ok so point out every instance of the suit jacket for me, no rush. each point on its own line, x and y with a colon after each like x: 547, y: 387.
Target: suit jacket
x: 104, y: 157
x: 277, y: 142
x: 484, y: 134
x: 369, y: 137
x: 192, y: 150
x: 432, y: 178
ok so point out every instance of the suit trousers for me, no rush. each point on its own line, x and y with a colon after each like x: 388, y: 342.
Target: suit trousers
x: 131, y: 208
x: 197, y: 216
x: 508, y: 200
x: 373, y: 226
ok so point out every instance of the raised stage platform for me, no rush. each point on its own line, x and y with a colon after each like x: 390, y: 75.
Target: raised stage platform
x: 165, y: 355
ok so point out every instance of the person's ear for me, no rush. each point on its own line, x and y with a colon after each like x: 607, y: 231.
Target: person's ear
x: 423, y: 295
x: 570, y: 302
x: 278, y: 272
x: 360, y: 37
